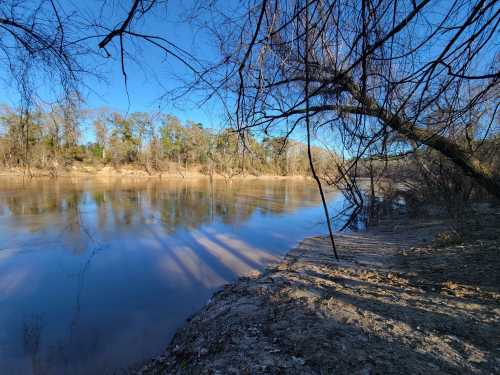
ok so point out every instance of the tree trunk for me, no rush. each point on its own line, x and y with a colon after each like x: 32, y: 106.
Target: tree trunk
x: 470, y: 165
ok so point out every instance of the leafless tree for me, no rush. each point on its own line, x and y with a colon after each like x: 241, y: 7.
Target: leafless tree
x: 384, y: 76
x: 375, y: 67
x: 39, y: 39
x: 40, y: 42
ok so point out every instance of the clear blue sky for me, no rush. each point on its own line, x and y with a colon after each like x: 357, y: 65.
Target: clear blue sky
x: 150, y: 76
x: 154, y: 73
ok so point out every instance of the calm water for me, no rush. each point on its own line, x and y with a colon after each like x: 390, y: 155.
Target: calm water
x: 96, y: 275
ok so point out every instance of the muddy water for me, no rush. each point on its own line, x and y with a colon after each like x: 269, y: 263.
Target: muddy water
x: 96, y: 275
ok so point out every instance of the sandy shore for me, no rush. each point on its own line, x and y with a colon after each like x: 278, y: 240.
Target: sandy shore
x: 108, y: 171
x: 394, y: 304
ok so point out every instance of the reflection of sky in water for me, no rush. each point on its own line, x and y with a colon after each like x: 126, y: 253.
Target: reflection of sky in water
x: 98, y: 275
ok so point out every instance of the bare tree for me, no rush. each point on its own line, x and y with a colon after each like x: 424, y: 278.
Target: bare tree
x: 376, y: 68
x: 40, y: 42
x: 384, y: 77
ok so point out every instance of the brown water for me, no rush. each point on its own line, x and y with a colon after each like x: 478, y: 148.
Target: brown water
x: 96, y: 275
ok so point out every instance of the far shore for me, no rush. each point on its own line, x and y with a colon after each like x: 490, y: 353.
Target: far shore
x: 83, y: 171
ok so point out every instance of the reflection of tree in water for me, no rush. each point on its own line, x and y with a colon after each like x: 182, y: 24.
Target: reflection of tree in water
x: 32, y: 333
x: 125, y: 206
x: 38, y: 202
x: 99, y: 198
x: 243, y: 199
x: 75, y: 234
x: 121, y: 203
x: 184, y: 207
x: 230, y: 206
x: 189, y: 207
x: 62, y: 354
x: 74, y: 347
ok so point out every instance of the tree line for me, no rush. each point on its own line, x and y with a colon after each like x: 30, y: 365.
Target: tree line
x: 57, y: 138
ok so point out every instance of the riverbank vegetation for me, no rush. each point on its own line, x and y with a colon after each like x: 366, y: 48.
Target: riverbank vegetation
x: 53, y: 140
x: 428, y: 183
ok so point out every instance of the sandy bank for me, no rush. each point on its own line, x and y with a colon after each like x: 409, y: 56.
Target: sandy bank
x: 108, y: 171
x: 392, y: 305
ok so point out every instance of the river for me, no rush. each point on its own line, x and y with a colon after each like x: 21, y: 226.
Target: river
x: 97, y: 274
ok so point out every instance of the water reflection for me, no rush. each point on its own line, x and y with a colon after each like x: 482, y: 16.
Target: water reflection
x: 98, y: 274
x: 124, y: 202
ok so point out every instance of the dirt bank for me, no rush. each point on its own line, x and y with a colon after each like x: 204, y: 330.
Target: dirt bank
x: 82, y: 170
x: 392, y: 305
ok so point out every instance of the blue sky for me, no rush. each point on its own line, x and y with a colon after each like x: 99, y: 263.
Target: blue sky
x: 149, y: 77
x: 152, y: 74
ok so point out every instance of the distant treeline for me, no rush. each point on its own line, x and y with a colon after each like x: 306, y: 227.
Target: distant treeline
x: 53, y: 139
